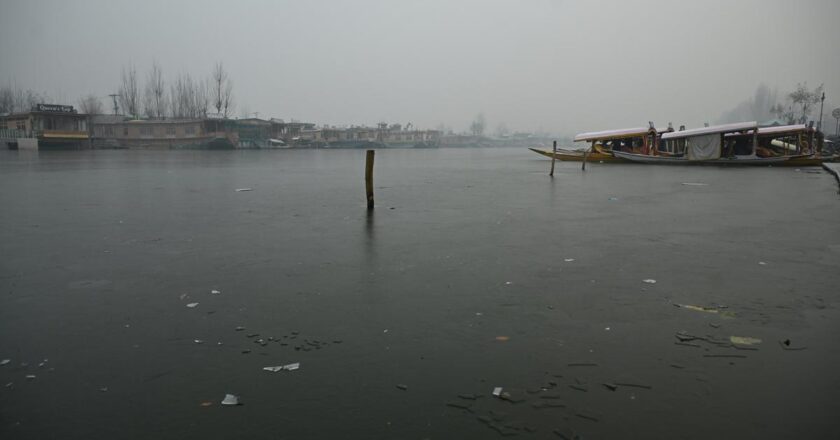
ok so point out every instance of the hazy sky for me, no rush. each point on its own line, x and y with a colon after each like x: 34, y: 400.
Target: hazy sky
x: 560, y: 66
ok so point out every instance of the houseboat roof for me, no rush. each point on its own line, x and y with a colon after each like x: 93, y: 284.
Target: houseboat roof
x: 609, y: 134
x: 725, y: 128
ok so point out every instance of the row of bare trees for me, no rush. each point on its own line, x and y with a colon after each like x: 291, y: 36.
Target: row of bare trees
x: 15, y: 100
x: 185, y: 98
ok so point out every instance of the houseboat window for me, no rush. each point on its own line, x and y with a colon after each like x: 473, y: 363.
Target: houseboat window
x: 125, y: 131
x: 190, y: 129
x: 170, y: 131
x: 21, y: 125
x: 145, y: 131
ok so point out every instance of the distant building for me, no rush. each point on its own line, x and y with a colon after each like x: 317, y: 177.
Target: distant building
x: 46, y: 126
x: 381, y: 136
x: 116, y: 132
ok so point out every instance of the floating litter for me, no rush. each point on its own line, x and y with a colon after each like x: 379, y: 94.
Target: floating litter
x: 502, y: 338
x: 206, y: 404
x: 5, y: 361
x: 497, y: 391
x: 192, y: 305
x: 230, y: 400
x: 744, y: 340
x: 215, y: 292
x: 649, y: 281
x: 239, y: 190
x: 569, y: 260
x: 288, y: 367
x: 198, y: 341
x: 30, y: 377
x: 104, y: 389
x: 762, y: 263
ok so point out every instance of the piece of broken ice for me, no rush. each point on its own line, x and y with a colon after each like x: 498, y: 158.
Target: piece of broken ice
x: 192, y: 305
x: 568, y: 260
x: 292, y: 367
x: 30, y: 376
x: 230, y: 399
x: 273, y: 369
x: 649, y: 281
x: 244, y: 189
x: 215, y: 292
x: 497, y: 391
x: 5, y: 361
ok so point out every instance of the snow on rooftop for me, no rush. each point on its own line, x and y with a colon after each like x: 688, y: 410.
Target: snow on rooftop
x: 725, y: 128
x: 596, y: 135
x: 778, y: 129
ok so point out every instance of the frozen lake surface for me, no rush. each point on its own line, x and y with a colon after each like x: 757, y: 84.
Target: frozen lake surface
x: 475, y: 271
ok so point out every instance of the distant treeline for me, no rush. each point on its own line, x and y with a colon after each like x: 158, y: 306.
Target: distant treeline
x: 184, y: 98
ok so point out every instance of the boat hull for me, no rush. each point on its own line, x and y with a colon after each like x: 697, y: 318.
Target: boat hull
x: 577, y: 156
x: 747, y: 161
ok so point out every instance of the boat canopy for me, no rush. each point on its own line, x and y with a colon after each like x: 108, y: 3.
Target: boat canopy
x: 611, y: 134
x: 715, y: 129
x: 778, y: 129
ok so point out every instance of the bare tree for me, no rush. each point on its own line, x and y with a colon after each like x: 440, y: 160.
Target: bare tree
x: 221, y: 90
x: 227, y: 100
x: 180, y: 97
x: 128, y: 91
x: 202, y: 98
x: 25, y: 100
x: 155, y: 94
x: 218, y: 80
x: 15, y: 100
x: 91, y: 104
x: 7, y: 99
x: 804, y: 100
x: 478, y: 125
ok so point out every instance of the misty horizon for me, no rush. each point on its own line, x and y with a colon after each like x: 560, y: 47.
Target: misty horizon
x: 545, y: 66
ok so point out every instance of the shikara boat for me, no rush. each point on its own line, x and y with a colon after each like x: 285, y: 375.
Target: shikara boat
x: 640, y: 140
x: 729, y: 144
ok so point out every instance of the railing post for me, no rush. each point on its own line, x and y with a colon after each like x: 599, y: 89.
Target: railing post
x: 553, y: 157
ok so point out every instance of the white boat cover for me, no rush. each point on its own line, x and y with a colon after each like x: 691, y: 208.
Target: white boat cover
x: 703, y: 147
x: 715, y: 129
x: 782, y: 129
x: 608, y: 134
x: 779, y: 129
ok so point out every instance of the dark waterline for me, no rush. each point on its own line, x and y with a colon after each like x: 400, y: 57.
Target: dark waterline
x: 102, y: 250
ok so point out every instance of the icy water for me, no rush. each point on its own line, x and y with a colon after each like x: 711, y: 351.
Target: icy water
x: 475, y: 271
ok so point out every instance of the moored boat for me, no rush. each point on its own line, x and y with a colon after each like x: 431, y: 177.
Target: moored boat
x: 639, y: 140
x: 728, y: 144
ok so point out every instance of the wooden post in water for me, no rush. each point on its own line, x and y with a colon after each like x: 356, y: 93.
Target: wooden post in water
x: 369, y: 178
x: 553, y: 154
x: 585, y: 154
